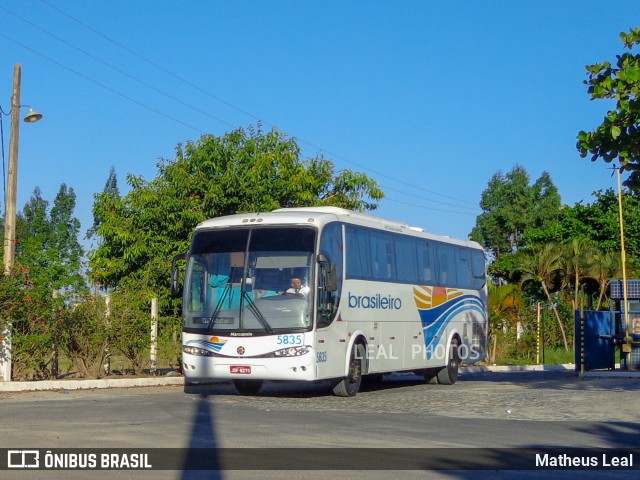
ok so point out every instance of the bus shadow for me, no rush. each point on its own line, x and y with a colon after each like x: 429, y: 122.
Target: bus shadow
x: 272, y: 389
x: 284, y: 389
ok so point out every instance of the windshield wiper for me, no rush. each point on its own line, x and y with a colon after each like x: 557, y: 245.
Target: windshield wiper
x: 256, y: 313
x: 250, y: 305
x: 219, y: 303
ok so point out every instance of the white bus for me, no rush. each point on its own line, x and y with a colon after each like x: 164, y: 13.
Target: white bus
x: 377, y: 296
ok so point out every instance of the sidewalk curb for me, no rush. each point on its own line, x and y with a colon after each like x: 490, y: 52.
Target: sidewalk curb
x: 175, y: 380
x: 567, y: 367
x: 90, y: 384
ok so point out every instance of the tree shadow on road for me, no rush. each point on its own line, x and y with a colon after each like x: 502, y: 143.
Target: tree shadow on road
x: 201, y: 458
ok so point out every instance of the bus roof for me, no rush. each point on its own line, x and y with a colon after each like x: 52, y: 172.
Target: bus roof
x: 318, y: 216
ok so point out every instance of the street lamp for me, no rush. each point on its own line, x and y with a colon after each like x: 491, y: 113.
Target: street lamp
x: 10, y: 209
x: 32, y: 116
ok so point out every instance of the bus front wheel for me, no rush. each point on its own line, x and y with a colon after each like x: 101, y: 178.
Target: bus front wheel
x: 350, y: 385
x: 449, y: 374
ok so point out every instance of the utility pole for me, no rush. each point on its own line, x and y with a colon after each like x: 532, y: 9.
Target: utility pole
x: 626, y: 345
x: 9, y: 243
x: 10, y: 216
x: 12, y: 176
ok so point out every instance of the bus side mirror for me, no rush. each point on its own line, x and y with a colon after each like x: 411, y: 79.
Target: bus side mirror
x: 328, y: 273
x: 332, y: 277
x: 175, y: 276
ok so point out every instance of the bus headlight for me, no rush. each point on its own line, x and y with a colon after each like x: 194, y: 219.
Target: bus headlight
x: 291, y: 352
x: 197, y: 351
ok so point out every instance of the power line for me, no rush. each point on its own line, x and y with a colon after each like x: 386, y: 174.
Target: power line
x: 386, y: 187
x: 152, y: 63
x: 191, y: 84
x: 241, y: 110
x: 428, y: 208
x: 102, y: 85
x: 113, y: 67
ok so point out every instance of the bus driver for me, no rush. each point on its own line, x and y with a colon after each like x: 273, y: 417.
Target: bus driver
x: 297, y: 288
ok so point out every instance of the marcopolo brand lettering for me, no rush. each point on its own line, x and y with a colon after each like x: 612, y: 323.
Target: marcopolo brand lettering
x: 376, y: 301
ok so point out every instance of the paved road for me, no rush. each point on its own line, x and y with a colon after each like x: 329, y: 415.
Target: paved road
x: 528, y: 409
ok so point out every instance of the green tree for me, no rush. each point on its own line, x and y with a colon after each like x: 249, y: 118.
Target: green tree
x: 48, y: 243
x: 511, y: 206
x: 49, y: 258
x: 618, y: 136
x: 110, y: 190
x: 65, y: 231
x: 599, y: 222
x: 241, y: 171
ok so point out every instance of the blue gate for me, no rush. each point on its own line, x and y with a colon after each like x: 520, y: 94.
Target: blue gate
x: 595, y: 340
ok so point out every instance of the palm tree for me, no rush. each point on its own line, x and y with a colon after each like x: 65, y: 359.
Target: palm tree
x: 542, y: 267
x: 604, y: 267
x: 576, y: 260
x: 505, y: 301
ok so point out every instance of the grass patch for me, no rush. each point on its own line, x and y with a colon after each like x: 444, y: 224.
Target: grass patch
x: 550, y: 356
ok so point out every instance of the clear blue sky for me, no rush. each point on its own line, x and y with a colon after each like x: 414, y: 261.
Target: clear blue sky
x: 429, y: 98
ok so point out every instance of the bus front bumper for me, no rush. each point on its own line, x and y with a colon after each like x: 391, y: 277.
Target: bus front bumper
x: 201, y: 368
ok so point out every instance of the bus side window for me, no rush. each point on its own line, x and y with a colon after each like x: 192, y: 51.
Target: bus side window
x: 426, y: 274
x: 358, y: 253
x: 446, y: 264
x: 425, y: 260
x: 478, y: 268
x: 406, y: 259
x: 381, y: 266
x: 463, y: 267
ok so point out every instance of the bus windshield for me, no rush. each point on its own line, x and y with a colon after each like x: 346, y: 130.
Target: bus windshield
x: 249, y: 281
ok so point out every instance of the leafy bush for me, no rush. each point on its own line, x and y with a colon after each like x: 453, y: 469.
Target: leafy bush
x: 84, y: 333
x: 169, y: 342
x: 29, y: 314
x: 130, y: 326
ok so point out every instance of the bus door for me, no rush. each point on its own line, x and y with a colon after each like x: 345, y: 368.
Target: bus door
x: 331, y: 339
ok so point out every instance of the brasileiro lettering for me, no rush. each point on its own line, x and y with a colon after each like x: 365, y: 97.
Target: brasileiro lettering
x: 376, y: 301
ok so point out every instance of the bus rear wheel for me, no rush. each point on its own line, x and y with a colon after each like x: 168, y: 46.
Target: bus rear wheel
x: 430, y: 375
x: 350, y: 385
x: 449, y: 374
x: 247, y: 387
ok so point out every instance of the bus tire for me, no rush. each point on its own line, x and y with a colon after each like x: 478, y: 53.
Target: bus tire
x: 449, y: 374
x: 430, y: 375
x: 247, y: 387
x: 350, y: 385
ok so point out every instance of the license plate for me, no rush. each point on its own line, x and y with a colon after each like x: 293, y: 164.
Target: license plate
x: 243, y: 369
